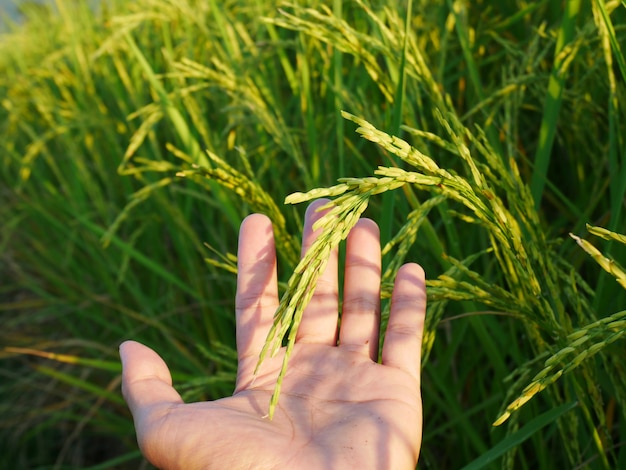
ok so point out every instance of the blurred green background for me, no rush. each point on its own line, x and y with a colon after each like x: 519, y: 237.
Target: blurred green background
x: 101, y: 241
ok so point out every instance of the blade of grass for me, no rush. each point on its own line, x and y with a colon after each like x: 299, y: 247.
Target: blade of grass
x: 553, y: 100
x: 191, y: 144
x: 141, y: 258
x: 389, y: 198
x: 459, y: 10
x: 617, y: 163
x: 69, y: 359
x: 81, y: 384
x: 338, y: 88
x: 515, y: 439
x: 134, y: 455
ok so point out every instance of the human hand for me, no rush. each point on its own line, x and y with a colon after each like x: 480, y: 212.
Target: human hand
x: 338, y: 407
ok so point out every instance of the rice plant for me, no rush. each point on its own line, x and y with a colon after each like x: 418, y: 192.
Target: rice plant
x: 134, y: 139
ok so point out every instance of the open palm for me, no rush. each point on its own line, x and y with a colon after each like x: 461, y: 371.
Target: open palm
x: 338, y: 408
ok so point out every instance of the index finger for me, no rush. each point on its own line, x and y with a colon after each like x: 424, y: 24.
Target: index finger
x: 257, y: 292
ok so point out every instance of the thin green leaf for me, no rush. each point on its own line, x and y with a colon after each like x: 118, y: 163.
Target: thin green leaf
x: 515, y: 439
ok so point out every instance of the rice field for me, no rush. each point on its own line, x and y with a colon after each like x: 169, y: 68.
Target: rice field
x: 486, y: 139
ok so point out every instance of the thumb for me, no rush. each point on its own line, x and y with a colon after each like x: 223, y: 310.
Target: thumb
x: 146, y: 382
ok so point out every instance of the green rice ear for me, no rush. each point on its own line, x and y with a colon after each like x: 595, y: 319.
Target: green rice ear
x: 609, y: 265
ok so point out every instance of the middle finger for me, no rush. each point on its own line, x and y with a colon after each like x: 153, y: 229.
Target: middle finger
x: 319, y: 321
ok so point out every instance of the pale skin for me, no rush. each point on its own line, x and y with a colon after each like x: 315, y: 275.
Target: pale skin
x: 339, y: 407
